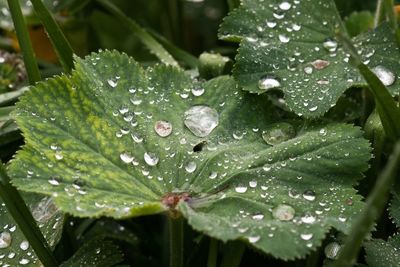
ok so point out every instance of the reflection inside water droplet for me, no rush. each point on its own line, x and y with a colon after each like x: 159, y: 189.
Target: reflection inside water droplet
x: 163, y: 128
x: 5, y: 239
x: 283, y: 212
x: 201, y: 120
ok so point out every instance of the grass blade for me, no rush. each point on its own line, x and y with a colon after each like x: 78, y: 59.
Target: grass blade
x: 31, y: 66
x: 155, y: 47
x: 57, y: 38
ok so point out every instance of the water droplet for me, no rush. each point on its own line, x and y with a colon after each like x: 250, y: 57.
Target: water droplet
x: 241, y: 189
x: 54, y: 180
x: 283, y: 38
x: 24, y: 245
x: 306, y: 236
x: 271, y: 24
x: 137, y: 138
x: 150, y: 158
x: 285, y: 6
x: 213, y: 175
x: 112, y: 83
x: 330, y: 45
x: 278, y: 132
x: 320, y: 64
x: 386, y: 76
x: 126, y: 157
x: 253, y: 184
x: 308, y: 70
x: 5, y: 239
x: 201, y: 120
x: 332, y: 250
x: 268, y: 82
x: 198, y: 91
x: 283, y: 212
x: 309, y: 195
x: 24, y: 261
x: 254, y: 239
x: 191, y: 166
x: 314, y: 108
x: 58, y: 155
x: 163, y: 128
x: 258, y: 217
x: 308, y: 218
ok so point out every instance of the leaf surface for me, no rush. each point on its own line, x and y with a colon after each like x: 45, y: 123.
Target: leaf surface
x: 91, y: 144
x: 382, y: 253
x: 293, y: 43
x: 14, y: 248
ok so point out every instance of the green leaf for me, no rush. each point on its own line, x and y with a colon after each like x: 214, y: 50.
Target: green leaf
x: 96, y: 253
x: 297, y: 49
x: 14, y: 248
x: 87, y: 136
x: 394, y: 208
x: 383, y: 254
x: 359, y: 22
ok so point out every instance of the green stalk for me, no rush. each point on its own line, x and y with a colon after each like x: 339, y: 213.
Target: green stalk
x: 23, y: 217
x: 212, y: 253
x: 386, y: 106
x: 373, y: 209
x: 233, y: 254
x: 379, y: 12
x: 175, y: 20
x: 25, y: 44
x: 176, y: 241
x: 57, y: 38
x: 155, y: 47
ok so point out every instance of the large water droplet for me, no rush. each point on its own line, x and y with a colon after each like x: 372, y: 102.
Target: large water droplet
x: 24, y: 245
x: 332, y: 250
x: 201, y: 120
x: 268, y: 82
x: 283, y: 212
x: 386, y: 76
x: 150, y: 158
x: 191, y: 166
x: 285, y: 6
x: 308, y: 218
x: 198, y: 91
x: 5, y: 239
x: 254, y: 239
x: 278, y: 132
x: 163, y: 128
x: 283, y: 38
x: 320, y: 64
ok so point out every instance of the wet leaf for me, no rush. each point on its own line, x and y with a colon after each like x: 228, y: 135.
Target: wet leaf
x: 394, y: 208
x: 96, y: 253
x: 15, y: 250
x: 383, y: 254
x: 116, y: 140
x: 291, y: 46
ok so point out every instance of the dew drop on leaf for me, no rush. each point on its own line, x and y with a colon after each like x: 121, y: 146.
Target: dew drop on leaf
x: 306, y: 236
x: 258, y: 217
x: 283, y: 38
x: 5, y: 239
x: 54, y: 180
x: 308, y: 218
x: 268, y: 82
x: 126, y: 157
x: 283, y: 212
x: 320, y: 64
x: 285, y: 6
x: 386, y: 76
x: 241, y: 189
x: 254, y: 239
x: 198, y: 91
x: 332, y: 250
x: 24, y: 261
x: 191, y: 166
x: 309, y: 195
x: 24, y: 245
x: 150, y: 158
x: 278, y: 132
x: 112, y: 83
x: 201, y: 120
x: 163, y: 128
x: 330, y: 45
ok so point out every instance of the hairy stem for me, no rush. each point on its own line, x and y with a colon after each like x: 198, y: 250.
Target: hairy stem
x: 23, y: 217
x: 25, y: 44
x: 176, y: 241
x: 373, y: 209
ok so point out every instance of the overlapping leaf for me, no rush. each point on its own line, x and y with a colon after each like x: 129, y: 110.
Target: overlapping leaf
x: 91, y: 142
x: 383, y: 254
x: 394, y: 208
x: 14, y: 248
x: 293, y: 43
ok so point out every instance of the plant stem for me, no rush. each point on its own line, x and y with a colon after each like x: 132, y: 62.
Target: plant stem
x: 60, y: 43
x: 212, y: 253
x: 379, y: 13
x: 374, y: 206
x: 176, y: 241
x: 155, y: 47
x: 25, y: 44
x: 233, y: 254
x: 23, y: 217
x: 175, y: 20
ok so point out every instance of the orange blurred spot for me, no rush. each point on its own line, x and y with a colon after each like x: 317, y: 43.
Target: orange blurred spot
x: 397, y: 9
